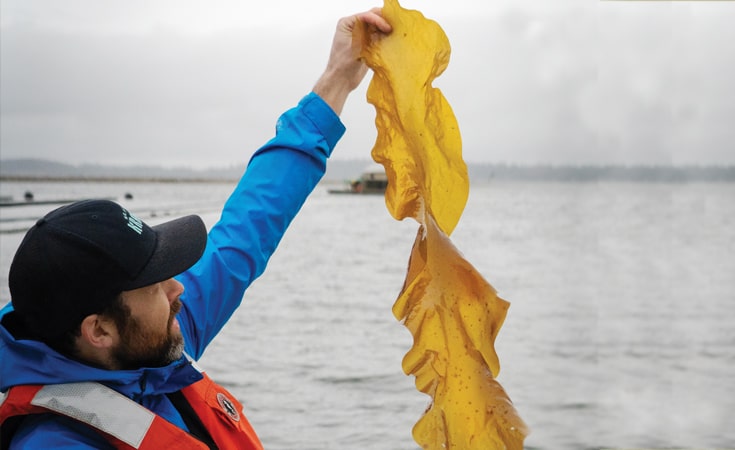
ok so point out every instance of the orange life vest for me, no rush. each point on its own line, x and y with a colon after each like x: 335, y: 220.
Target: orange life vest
x: 128, y: 425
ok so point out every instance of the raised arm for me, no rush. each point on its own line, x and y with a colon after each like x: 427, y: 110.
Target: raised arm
x: 279, y: 178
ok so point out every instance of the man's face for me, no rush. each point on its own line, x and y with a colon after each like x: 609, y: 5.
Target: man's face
x: 150, y: 336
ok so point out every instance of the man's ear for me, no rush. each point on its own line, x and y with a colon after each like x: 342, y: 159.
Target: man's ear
x: 98, y: 331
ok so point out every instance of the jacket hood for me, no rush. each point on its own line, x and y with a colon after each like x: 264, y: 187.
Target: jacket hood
x: 26, y: 361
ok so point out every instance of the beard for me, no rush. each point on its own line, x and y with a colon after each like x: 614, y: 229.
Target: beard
x: 140, y: 347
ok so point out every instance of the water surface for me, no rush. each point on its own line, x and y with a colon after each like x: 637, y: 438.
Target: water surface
x: 620, y: 331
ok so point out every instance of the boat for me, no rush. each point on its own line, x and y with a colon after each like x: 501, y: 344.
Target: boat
x: 372, y: 180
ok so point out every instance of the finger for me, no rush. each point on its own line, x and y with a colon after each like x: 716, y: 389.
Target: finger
x: 375, y: 18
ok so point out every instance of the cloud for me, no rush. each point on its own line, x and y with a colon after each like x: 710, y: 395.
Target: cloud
x: 599, y: 82
x: 159, y: 96
x: 570, y: 82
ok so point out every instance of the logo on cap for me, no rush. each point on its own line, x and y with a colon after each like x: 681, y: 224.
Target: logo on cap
x: 133, y: 222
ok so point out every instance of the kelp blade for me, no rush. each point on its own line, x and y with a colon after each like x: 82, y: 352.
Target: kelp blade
x: 454, y: 316
x: 418, y: 141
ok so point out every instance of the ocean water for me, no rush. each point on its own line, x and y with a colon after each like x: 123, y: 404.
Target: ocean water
x: 621, y: 330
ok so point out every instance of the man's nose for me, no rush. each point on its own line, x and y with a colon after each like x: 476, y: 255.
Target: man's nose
x: 173, y: 289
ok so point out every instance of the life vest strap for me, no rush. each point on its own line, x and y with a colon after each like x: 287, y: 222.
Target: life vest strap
x: 121, y: 417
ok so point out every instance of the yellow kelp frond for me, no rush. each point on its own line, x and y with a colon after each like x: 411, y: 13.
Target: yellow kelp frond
x: 418, y: 136
x: 442, y: 285
x: 453, y: 314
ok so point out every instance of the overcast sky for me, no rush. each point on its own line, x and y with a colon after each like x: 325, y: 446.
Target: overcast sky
x: 201, y: 83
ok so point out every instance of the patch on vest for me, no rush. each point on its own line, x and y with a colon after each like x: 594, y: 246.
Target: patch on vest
x: 228, y: 407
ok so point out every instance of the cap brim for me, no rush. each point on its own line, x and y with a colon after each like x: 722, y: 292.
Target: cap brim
x: 180, y: 244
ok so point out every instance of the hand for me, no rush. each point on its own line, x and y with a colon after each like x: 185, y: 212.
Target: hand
x: 345, y: 70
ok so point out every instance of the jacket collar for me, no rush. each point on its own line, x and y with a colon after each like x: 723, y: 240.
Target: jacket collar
x: 28, y: 361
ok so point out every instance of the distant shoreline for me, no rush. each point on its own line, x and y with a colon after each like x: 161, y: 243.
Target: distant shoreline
x: 30, y: 170
x: 111, y: 179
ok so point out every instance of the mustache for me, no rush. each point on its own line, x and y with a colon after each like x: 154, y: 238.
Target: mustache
x: 175, y: 306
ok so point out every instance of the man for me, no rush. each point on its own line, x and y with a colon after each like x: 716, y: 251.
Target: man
x: 92, y: 351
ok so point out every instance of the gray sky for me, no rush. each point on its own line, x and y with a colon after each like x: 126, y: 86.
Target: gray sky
x: 201, y: 83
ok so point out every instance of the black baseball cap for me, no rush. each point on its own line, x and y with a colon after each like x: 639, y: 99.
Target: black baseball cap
x: 75, y: 260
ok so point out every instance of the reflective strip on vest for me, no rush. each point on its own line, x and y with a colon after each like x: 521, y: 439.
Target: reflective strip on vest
x: 100, y: 407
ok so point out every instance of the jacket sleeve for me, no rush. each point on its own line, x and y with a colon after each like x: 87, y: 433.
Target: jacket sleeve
x: 275, y: 185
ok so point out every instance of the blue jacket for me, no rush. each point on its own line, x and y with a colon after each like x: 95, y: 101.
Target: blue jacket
x: 278, y: 180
